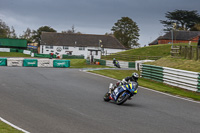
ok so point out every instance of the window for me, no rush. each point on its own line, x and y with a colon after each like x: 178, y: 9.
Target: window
x: 65, y: 47
x: 49, y: 47
x: 81, y: 48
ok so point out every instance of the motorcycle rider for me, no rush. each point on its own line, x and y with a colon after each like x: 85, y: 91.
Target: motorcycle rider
x: 114, y: 60
x: 124, y: 81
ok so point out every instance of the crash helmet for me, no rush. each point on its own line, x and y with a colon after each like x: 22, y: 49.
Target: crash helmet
x: 135, y: 76
x: 113, y: 58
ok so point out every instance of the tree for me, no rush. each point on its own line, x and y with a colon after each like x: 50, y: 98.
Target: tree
x: 109, y: 34
x: 28, y: 35
x: 196, y: 27
x: 6, y: 32
x: 72, y: 31
x: 37, y: 34
x: 126, y: 31
x: 183, y: 19
x: 12, y: 33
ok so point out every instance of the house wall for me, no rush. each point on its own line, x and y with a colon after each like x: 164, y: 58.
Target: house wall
x: 177, y: 41
x: 75, y: 51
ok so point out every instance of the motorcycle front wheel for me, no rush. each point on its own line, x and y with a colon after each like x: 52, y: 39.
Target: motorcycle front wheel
x: 106, y: 97
x: 122, y: 98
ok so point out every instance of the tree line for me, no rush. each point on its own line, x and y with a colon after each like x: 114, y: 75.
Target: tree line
x: 29, y: 35
x: 125, y: 29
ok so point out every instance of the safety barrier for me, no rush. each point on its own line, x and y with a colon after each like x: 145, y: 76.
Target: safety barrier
x: 21, y: 62
x: 180, y: 78
x: 73, y: 57
x: 45, y: 63
x: 3, y: 61
x: 123, y: 64
x: 152, y: 72
x: 44, y: 55
x: 17, y: 62
x: 30, y: 62
x: 28, y: 52
x: 102, y: 62
x: 61, y: 63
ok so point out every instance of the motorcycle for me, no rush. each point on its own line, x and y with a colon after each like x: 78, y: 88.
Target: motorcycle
x: 116, y: 64
x: 122, y: 93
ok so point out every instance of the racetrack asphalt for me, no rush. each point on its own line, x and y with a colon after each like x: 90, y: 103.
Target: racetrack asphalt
x: 60, y: 100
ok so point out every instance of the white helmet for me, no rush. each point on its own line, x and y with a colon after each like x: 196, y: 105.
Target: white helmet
x: 135, y: 75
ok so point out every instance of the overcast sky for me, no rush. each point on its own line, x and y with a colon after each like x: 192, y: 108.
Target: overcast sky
x: 91, y: 16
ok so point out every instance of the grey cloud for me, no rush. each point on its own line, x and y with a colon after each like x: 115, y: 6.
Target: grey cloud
x: 91, y: 16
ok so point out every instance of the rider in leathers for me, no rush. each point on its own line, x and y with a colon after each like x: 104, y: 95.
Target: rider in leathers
x: 124, y: 81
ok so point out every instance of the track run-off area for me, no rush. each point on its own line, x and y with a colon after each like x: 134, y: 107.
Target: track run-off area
x: 60, y: 100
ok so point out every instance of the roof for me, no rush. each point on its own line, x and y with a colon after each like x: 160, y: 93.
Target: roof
x: 79, y: 40
x: 154, y: 42
x: 180, y: 35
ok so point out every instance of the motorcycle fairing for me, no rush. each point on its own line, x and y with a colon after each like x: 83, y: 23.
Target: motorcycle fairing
x: 116, y: 92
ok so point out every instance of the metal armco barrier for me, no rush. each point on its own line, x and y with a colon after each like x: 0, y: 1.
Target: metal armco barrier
x: 180, y: 78
x: 152, y: 72
x: 175, y: 77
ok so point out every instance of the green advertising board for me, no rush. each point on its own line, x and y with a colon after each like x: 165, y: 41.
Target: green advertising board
x: 30, y: 62
x: 3, y: 61
x: 9, y: 42
x: 61, y: 63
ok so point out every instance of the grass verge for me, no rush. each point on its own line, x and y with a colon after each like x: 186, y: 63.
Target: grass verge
x: 120, y: 74
x: 81, y: 63
x: 13, y: 54
x: 178, y: 63
x: 4, y: 128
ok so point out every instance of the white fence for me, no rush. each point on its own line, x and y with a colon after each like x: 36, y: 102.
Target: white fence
x: 123, y: 64
x: 180, y: 78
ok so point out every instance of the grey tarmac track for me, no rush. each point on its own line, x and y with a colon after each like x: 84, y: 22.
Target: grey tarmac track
x: 60, y: 100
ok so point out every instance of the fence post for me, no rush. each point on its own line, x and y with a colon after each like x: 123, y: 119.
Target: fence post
x: 185, y: 54
x: 190, y: 52
x: 197, y: 53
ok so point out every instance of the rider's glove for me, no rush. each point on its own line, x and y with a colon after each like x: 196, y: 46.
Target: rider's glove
x: 124, y: 81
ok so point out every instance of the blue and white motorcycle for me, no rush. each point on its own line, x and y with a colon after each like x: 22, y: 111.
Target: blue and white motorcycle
x: 122, y: 93
x: 117, y: 64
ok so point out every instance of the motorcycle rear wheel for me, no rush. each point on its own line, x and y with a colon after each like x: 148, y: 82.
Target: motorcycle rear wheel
x: 121, y: 99
x: 106, y: 97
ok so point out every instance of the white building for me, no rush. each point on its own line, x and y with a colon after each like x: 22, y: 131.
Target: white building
x: 79, y: 44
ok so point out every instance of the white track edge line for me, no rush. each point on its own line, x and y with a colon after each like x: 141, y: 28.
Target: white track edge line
x: 186, y: 99
x: 14, y: 126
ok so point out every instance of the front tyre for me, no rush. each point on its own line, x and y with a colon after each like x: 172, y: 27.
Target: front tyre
x: 106, y: 97
x: 122, y: 98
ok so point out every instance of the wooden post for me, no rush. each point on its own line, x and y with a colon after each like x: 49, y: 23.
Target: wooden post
x: 190, y: 52
x: 186, y: 52
x: 198, y: 50
x: 197, y: 53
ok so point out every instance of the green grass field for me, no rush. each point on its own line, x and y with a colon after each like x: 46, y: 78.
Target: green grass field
x: 13, y: 54
x: 81, y: 63
x: 141, y: 53
x: 4, y: 128
x: 177, y: 63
